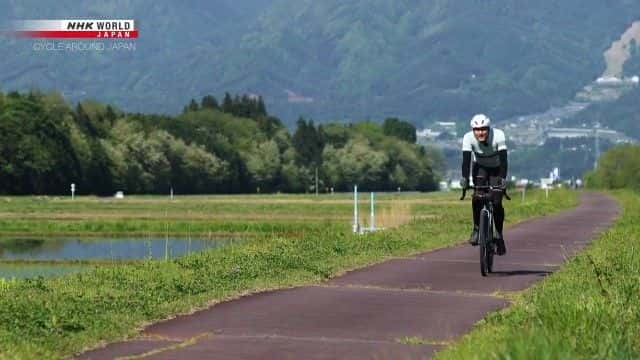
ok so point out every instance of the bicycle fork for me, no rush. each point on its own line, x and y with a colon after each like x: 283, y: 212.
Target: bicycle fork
x: 488, y: 235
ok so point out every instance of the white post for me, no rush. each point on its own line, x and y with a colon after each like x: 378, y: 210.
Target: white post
x: 172, y: 193
x: 546, y: 192
x: 372, y: 224
x: 524, y: 191
x: 73, y: 191
x: 356, y: 226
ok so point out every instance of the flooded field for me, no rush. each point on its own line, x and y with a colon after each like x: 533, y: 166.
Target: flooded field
x: 32, y: 257
x: 102, y: 249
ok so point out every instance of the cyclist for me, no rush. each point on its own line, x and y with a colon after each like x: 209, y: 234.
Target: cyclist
x: 489, y: 167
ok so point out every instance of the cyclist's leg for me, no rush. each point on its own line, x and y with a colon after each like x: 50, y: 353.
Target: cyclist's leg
x: 498, y: 217
x: 476, y: 206
x: 479, y: 177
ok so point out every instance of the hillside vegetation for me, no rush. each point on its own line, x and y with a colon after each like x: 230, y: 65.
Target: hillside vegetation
x: 335, y: 60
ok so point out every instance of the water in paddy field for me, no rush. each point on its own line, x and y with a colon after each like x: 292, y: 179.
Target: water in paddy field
x: 47, y: 249
x: 33, y: 257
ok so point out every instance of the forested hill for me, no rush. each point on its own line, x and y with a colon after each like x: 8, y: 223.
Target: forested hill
x: 227, y: 146
x: 332, y: 59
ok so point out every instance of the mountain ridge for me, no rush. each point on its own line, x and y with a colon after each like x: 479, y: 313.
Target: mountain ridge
x: 418, y: 60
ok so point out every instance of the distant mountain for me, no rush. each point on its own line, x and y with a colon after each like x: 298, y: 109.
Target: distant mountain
x: 332, y: 59
x: 622, y: 113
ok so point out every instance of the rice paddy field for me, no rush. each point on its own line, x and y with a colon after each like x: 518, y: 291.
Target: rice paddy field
x: 276, y: 241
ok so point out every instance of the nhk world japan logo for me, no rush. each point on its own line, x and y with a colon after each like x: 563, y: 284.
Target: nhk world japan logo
x: 76, y: 29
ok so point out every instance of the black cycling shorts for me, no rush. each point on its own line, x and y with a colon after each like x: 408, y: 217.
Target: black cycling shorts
x: 483, y: 176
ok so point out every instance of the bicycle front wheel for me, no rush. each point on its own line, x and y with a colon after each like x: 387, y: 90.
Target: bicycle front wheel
x: 484, y: 240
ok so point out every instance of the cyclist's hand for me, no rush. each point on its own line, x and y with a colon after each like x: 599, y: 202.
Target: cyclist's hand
x: 464, y: 183
x: 501, y: 183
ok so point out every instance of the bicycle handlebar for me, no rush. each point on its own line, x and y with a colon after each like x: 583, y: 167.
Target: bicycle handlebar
x: 504, y: 190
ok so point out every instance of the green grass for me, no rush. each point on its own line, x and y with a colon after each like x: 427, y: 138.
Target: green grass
x: 55, y: 318
x: 25, y: 270
x: 588, y: 310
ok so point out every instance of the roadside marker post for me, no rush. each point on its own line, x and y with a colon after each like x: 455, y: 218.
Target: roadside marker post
x: 356, y: 224
x: 357, y: 228
x: 372, y: 223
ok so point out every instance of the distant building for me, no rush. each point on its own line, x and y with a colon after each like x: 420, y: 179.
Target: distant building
x: 565, y: 133
x: 427, y: 133
x: 292, y: 97
x: 613, y: 80
x: 446, y: 124
x: 608, y: 80
x: 572, y: 133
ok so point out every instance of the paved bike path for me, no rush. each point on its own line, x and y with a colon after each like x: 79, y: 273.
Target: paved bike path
x: 434, y: 297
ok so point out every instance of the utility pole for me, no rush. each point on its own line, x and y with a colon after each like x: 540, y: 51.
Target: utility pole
x: 316, y: 181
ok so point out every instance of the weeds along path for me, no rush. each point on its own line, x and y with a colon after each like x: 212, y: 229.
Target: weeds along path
x: 405, y: 308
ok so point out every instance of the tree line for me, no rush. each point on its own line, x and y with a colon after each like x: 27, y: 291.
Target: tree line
x: 618, y: 168
x: 232, y: 146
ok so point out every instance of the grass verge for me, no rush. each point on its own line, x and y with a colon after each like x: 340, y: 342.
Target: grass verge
x: 55, y: 318
x: 589, y: 309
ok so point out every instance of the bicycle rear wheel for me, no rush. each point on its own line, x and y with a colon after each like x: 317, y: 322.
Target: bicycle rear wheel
x: 484, y: 240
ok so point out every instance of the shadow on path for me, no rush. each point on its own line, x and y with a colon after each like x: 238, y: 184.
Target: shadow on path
x: 540, y: 273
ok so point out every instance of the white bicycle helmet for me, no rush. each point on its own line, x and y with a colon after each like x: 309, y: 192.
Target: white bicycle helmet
x: 480, y: 121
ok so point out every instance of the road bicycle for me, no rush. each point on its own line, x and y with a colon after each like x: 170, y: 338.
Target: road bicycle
x: 486, y: 228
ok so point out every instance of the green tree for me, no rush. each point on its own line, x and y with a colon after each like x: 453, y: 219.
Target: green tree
x: 269, y: 125
x: 401, y: 129
x: 263, y: 165
x: 227, y: 103
x: 308, y: 142
x: 91, y: 117
x: 209, y: 102
x: 355, y: 163
x: 618, y: 168
x: 98, y: 177
x: 36, y: 153
x: 261, y: 108
x: 193, y: 105
x: 110, y: 115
